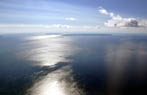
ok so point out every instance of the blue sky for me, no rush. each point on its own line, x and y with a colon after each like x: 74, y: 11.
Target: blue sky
x: 81, y: 15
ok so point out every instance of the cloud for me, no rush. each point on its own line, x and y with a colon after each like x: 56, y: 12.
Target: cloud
x: 118, y: 21
x: 60, y: 26
x: 35, y: 25
x: 54, y: 26
x: 29, y: 28
x: 143, y: 22
x: 103, y: 11
x: 70, y: 19
x: 122, y: 22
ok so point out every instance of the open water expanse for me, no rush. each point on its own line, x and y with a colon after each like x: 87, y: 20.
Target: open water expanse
x: 73, y: 64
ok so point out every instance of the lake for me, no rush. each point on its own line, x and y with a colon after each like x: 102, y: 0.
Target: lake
x: 73, y: 64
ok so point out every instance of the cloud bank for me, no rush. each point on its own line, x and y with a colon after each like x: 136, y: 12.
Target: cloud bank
x: 29, y: 28
x: 118, y: 21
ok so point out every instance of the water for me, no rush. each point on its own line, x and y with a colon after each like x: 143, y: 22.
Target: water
x: 73, y: 64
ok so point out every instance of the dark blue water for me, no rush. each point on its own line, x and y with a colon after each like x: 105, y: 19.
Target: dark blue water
x: 101, y: 64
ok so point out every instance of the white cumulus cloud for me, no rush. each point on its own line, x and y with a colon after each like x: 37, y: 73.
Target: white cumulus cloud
x: 103, y: 11
x: 118, y: 21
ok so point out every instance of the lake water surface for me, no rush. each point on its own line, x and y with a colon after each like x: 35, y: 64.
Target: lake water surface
x: 73, y: 64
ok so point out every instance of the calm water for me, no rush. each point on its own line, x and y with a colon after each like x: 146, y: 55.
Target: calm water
x: 73, y: 64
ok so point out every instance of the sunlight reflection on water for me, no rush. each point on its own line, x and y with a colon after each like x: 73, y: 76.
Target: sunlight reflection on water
x: 49, y: 51
x: 59, y: 82
x: 73, y: 65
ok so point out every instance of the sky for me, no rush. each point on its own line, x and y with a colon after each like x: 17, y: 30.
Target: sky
x: 19, y: 16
